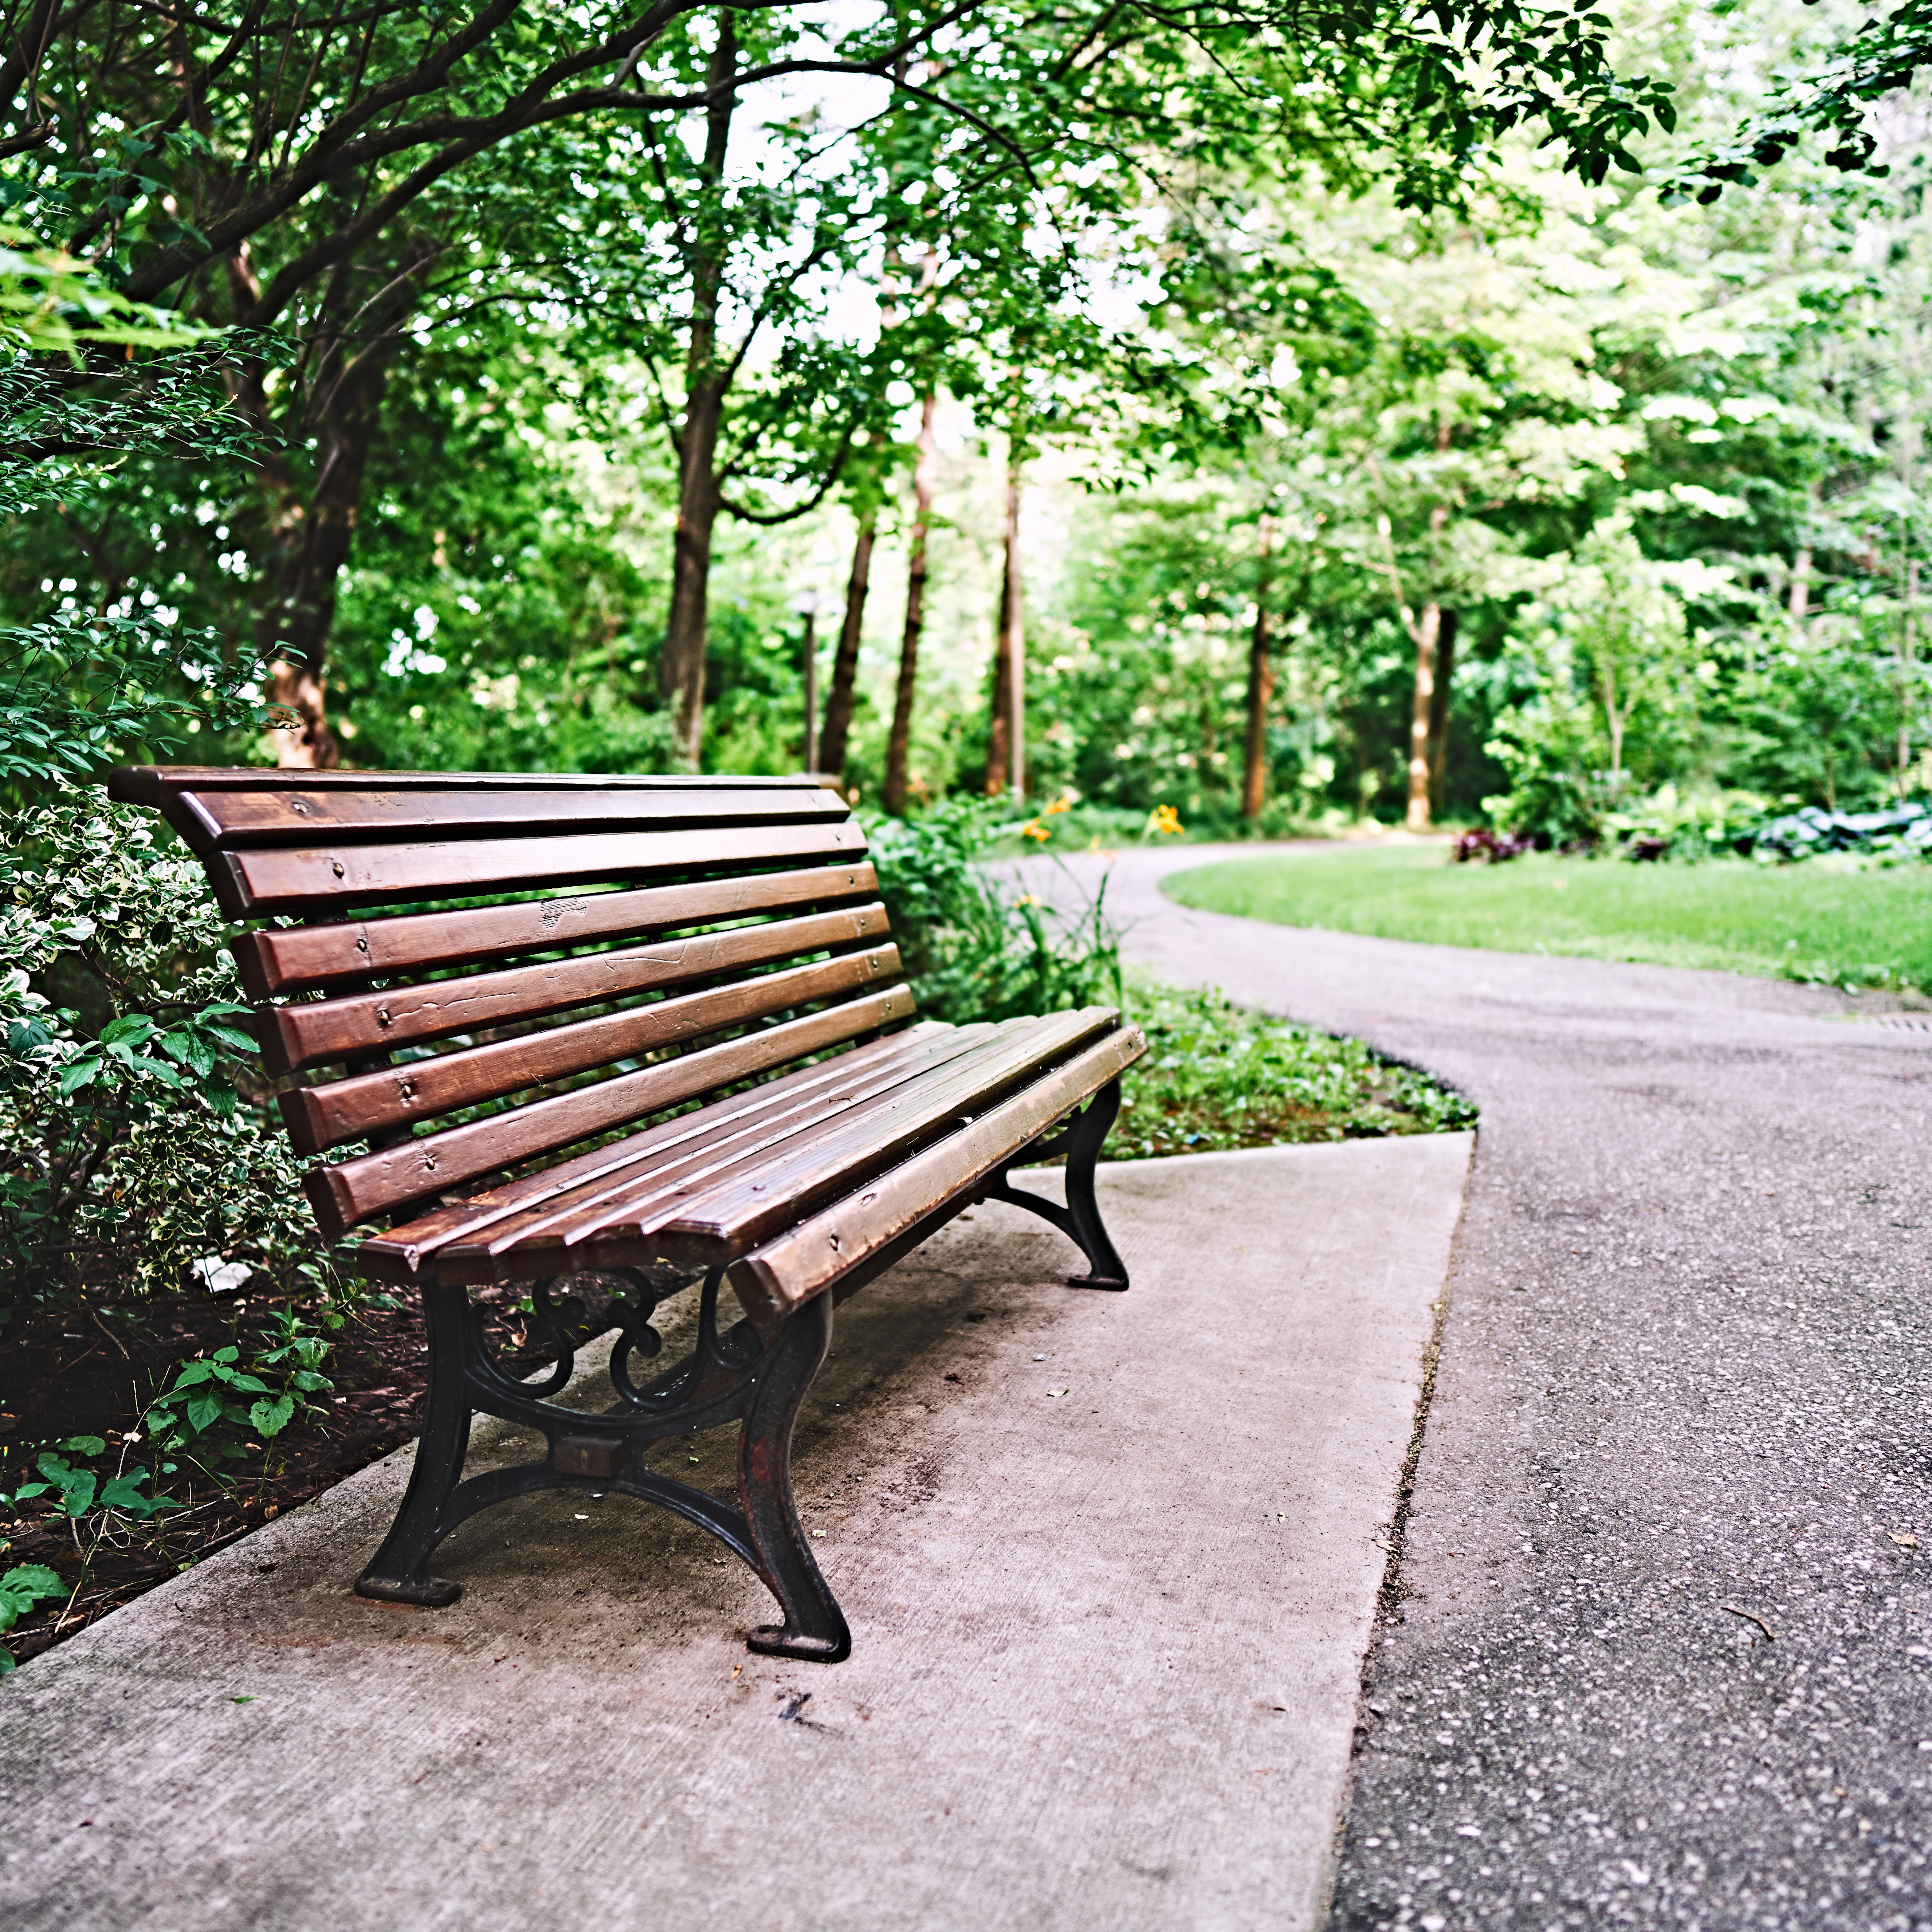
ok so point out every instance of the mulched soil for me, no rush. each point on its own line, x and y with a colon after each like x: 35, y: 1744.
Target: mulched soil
x: 95, y: 1376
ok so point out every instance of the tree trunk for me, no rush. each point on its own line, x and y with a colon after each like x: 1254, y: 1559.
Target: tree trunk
x: 1908, y: 658
x: 311, y: 539
x: 1261, y: 688
x: 681, y: 665
x: 1006, y: 743
x: 1801, y: 584
x: 899, y: 745
x: 1438, y: 711
x: 1426, y: 632
x: 845, y: 665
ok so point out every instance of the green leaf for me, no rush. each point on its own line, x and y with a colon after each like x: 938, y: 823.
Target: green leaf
x: 23, y: 1586
x: 269, y: 1419
x: 76, y: 1487
x: 123, y: 1493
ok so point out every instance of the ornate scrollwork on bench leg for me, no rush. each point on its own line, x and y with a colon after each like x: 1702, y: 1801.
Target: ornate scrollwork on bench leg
x: 740, y: 1375
x: 1079, y: 1220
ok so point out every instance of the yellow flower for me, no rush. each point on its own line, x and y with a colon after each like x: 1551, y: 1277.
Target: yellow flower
x: 1164, y: 820
x: 1028, y: 898
x: 1037, y: 830
x: 1064, y: 803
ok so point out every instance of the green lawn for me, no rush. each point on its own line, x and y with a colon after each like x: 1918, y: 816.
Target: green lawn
x: 1799, y: 922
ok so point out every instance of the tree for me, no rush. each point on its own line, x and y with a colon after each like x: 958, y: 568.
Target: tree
x: 898, y: 744
x: 338, y: 176
x: 1006, y: 738
x: 1261, y: 681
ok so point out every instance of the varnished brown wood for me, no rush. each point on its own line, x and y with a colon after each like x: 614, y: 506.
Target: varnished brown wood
x: 152, y: 785
x: 544, y: 1237
x: 300, y: 813
x: 286, y: 959
x: 368, y: 1104
x: 477, y: 1216
x: 810, y: 1257
x: 250, y: 883
x: 317, y: 1033
x: 392, y: 1177
x: 640, y: 1198
x: 722, y: 1223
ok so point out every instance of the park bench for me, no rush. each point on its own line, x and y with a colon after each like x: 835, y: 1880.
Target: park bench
x: 651, y: 1030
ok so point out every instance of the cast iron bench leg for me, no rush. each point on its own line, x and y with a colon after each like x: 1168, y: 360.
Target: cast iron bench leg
x: 395, y: 1574
x: 813, y: 1628
x: 1079, y: 1220
x: 1083, y: 1151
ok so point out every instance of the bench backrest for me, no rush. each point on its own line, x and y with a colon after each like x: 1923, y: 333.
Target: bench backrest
x: 497, y: 967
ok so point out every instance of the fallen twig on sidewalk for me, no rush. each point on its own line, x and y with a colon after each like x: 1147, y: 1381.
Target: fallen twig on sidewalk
x: 1770, y: 1634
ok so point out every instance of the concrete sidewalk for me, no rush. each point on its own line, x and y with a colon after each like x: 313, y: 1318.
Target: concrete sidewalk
x: 1111, y: 1564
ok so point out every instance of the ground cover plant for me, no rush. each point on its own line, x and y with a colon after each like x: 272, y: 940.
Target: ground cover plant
x: 138, y: 1439
x: 1217, y: 1076
x: 1821, y: 921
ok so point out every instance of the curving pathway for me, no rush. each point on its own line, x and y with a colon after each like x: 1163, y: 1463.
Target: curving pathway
x: 1656, y: 1646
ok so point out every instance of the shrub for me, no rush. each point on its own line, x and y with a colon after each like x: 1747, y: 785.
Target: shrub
x: 1901, y: 834
x: 975, y: 946
x: 129, y: 1158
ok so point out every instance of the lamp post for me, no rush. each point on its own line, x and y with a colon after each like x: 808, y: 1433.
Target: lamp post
x: 807, y: 605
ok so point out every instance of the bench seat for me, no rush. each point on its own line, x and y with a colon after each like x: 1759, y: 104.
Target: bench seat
x: 557, y: 1031
x: 872, y: 1141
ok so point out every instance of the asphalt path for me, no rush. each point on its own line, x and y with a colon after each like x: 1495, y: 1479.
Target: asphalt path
x: 1656, y: 1641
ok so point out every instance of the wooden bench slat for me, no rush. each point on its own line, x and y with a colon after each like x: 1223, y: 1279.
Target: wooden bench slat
x: 297, y: 813
x: 721, y: 1140
x: 482, y: 1214
x: 722, y: 1223
x: 365, y: 1104
x: 641, y: 1199
x: 286, y: 959
x: 353, y: 1027
x: 354, y: 1190
x: 249, y: 884
x: 153, y: 785
x: 808, y: 1258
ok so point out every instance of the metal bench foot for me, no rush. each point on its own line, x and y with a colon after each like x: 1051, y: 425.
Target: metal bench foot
x: 432, y: 1593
